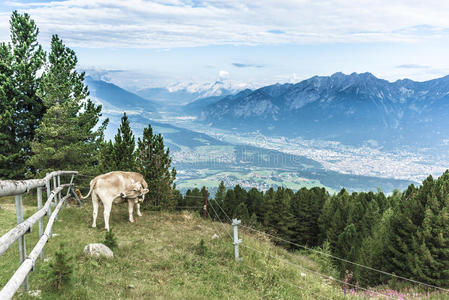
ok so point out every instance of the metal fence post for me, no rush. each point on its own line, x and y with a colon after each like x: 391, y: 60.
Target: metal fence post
x: 59, y: 184
x: 48, y: 186
x: 55, y: 185
x: 21, y: 241
x: 41, y: 221
x: 235, y: 224
x: 71, y: 181
x: 56, y: 198
x: 206, y: 194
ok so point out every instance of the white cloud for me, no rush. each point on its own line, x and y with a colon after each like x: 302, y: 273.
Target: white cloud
x: 223, y: 74
x: 188, y: 23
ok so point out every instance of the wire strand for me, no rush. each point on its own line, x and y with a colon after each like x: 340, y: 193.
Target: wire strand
x: 261, y: 252
x: 220, y: 220
x: 294, y: 285
x: 341, y: 259
x: 316, y: 272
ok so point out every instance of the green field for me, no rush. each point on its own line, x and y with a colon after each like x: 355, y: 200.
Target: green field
x: 158, y: 262
x: 258, y: 177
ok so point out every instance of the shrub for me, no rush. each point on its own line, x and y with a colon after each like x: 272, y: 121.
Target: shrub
x: 201, y: 248
x: 60, y: 270
x: 110, y: 240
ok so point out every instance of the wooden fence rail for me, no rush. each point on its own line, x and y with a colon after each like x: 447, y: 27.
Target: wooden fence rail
x: 14, y: 234
x: 17, y: 188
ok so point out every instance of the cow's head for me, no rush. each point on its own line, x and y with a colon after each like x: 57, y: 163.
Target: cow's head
x: 135, y: 191
x: 141, y: 197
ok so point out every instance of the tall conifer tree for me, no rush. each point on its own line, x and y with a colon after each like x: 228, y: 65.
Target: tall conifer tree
x: 10, y: 155
x: 154, y: 163
x: 21, y: 61
x: 66, y: 138
x: 124, y: 155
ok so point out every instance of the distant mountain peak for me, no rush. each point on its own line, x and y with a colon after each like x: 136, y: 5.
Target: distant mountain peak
x: 187, y: 92
x: 343, y: 106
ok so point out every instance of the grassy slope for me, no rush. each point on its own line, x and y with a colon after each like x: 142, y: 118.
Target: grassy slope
x: 157, y: 256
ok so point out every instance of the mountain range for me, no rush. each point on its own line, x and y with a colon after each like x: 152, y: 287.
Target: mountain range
x: 116, y: 99
x: 201, y: 158
x: 354, y: 109
x: 184, y: 93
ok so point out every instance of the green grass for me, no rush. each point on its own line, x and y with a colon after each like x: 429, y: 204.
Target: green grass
x: 257, y: 177
x: 158, y: 257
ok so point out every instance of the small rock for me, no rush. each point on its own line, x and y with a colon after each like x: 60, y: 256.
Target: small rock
x: 97, y: 250
x: 303, y: 275
x: 54, y: 234
x: 35, y: 293
x: 215, y: 236
x: 131, y: 286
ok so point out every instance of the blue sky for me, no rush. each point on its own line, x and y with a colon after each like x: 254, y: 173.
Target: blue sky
x: 154, y: 43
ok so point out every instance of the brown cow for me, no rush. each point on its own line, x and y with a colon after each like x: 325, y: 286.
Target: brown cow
x: 116, y: 187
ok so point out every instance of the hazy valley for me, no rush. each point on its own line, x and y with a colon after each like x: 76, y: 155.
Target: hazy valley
x: 354, y: 138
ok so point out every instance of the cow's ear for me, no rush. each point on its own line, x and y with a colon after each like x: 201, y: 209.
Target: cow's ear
x: 144, y: 191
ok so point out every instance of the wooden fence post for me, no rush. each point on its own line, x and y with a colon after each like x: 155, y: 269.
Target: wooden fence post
x: 205, y: 195
x: 41, y: 220
x: 21, y: 241
x: 235, y: 223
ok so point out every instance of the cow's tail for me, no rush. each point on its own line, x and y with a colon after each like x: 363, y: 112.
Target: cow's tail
x: 92, y: 185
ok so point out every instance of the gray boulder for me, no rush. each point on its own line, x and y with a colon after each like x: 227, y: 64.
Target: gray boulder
x: 97, y: 250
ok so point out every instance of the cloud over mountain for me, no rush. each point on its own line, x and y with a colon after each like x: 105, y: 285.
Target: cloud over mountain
x: 186, y: 23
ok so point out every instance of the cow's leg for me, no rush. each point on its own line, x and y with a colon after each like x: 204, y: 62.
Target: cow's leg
x: 95, y: 209
x: 130, y: 210
x: 107, y: 211
x: 138, y: 210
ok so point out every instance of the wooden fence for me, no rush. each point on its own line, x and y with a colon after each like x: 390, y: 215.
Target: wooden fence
x: 54, y: 199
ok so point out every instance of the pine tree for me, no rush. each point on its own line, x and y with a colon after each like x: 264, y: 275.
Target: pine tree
x: 346, y: 247
x: 124, y: 147
x: 10, y: 155
x: 177, y: 198
x: 255, y: 202
x: 283, y: 220
x: 154, y: 162
x: 404, y: 225
x: 218, y: 201
x: 230, y: 204
x: 194, y: 198
x: 21, y: 62
x: 333, y: 219
x: 66, y: 138
x: 373, y: 251
x: 120, y: 155
x: 106, y: 161
x: 60, y: 270
x: 432, y: 255
x: 267, y: 208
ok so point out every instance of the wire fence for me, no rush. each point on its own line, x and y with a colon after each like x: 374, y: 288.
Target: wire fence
x: 296, y: 265
x: 338, y: 258
x: 213, y: 222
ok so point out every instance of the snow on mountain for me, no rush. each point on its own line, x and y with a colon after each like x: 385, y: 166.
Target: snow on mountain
x: 187, y: 92
x: 350, y: 108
